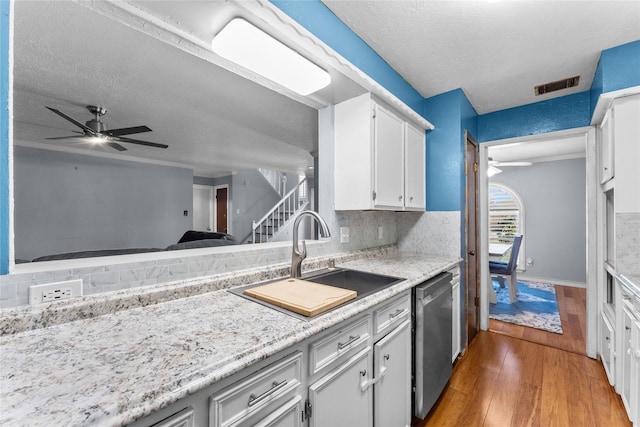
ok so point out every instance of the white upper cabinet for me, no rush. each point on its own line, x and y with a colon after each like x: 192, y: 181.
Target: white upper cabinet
x: 379, y: 157
x: 415, y: 172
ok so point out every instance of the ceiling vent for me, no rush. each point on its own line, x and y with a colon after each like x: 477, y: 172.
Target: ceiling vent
x: 557, y: 85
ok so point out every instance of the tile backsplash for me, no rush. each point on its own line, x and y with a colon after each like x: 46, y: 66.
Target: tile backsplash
x: 628, y: 243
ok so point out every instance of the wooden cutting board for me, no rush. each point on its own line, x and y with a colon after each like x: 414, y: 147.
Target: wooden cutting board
x: 300, y: 296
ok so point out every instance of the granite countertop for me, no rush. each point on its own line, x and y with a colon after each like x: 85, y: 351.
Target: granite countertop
x: 114, y: 369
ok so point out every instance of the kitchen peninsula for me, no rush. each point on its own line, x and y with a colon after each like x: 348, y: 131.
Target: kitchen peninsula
x: 117, y: 368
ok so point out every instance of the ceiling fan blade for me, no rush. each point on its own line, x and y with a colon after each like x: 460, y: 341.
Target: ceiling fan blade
x: 116, y: 146
x: 136, y: 141
x: 514, y: 163
x: 68, y: 137
x: 72, y: 120
x: 126, y: 131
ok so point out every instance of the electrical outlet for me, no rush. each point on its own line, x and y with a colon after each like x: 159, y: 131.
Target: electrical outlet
x: 380, y: 233
x: 344, y: 234
x: 57, y: 291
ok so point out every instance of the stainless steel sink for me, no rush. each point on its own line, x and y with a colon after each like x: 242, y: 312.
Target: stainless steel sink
x: 363, y: 283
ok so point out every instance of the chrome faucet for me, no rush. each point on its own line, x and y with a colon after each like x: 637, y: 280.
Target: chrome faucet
x: 297, y: 255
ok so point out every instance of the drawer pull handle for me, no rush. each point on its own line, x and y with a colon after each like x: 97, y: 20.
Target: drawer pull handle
x: 397, y: 313
x: 275, y: 386
x: 352, y: 339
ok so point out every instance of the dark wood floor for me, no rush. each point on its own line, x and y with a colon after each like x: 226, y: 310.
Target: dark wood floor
x: 518, y: 376
x: 572, y: 306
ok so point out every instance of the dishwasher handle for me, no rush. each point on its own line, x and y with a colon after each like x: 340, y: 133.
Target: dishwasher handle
x: 424, y: 296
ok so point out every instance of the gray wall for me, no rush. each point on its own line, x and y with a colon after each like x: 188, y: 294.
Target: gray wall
x: 70, y: 202
x: 554, y: 197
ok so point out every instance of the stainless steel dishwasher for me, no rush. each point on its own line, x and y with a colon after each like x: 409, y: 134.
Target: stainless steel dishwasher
x: 432, y: 325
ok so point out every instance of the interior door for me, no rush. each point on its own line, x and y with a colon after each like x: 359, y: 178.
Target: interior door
x: 221, y: 210
x: 472, y: 272
x: 202, y: 208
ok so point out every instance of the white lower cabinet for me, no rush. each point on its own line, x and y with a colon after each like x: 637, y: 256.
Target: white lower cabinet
x: 356, y: 373
x: 372, y: 387
x: 183, y: 418
x: 607, y: 348
x: 392, y: 370
x: 288, y: 415
x: 259, y: 396
x: 625, y: 360
x: 627, y: 354
x: 337, y: 399
x: 635, y: 371
x: 455, y: 314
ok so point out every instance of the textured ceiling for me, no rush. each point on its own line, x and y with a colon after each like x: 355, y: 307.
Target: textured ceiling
x: 496, y: 51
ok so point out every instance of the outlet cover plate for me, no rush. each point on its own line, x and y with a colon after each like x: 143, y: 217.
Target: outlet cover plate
x: 344, y: 234
x: 56, y: 291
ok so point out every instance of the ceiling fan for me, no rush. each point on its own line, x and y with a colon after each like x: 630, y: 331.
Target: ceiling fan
x: 96, y: 130
x: 496, y: 163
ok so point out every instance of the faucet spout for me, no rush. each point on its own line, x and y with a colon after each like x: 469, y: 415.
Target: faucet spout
x: 298, y: 255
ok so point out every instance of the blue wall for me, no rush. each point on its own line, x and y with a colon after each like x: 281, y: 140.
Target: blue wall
x: 4, y: 136
x: 451, y: 114
x: 618, y: 68
x: 566, y: 112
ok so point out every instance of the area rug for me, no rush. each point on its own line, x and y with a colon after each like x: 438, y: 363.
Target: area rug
x: 536, y: 307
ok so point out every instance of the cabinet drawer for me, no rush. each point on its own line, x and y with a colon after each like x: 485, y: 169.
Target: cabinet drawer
x: 343, y: 342
x: 183, y: 418
x: 392, y: 314
x: 266, y: 388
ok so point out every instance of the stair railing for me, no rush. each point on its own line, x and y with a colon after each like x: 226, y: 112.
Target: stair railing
x: 267, y: 227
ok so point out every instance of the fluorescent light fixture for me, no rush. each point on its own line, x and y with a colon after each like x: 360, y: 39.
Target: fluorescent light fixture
x: 248, y: 46
x: 492, y: 170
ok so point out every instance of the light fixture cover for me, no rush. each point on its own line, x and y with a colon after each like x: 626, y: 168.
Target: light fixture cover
x: 248, y: 46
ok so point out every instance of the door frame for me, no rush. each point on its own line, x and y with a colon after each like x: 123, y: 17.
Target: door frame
x: 469, y: 139
x: 214, y: 211
x: 591, y: 183
x: 211, y: 204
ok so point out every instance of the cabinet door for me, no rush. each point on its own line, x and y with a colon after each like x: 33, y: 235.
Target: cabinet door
x: 625, y: 361
x: 388, y: 159
x: 607, y: 348
x: 288, y: 415
x: 606, y: 148
x: 635, y: 371
x: 455, y: 321
x: 392, y: 367
x: 414, y: 168
x: 337, y: 399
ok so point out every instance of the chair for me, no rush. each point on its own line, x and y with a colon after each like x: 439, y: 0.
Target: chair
x: 503, y: 269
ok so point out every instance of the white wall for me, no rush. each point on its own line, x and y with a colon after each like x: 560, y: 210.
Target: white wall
x: 554, y: 198
x: 71, y: 202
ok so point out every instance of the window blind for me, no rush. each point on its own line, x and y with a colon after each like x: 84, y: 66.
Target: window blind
x: 505, y: 215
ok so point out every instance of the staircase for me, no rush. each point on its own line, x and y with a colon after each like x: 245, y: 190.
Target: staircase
x: 276, y: 179
x: 268, y: 227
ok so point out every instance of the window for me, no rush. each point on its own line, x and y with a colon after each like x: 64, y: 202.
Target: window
x: 506, y: 218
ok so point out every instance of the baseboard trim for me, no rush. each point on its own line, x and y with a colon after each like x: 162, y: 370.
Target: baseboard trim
x: 554, y: 281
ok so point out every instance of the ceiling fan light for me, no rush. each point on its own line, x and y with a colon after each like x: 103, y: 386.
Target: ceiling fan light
x: 248, y: 46
x: 98, y: 139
